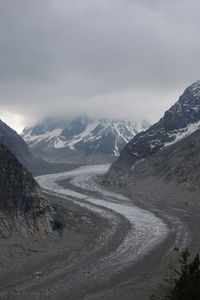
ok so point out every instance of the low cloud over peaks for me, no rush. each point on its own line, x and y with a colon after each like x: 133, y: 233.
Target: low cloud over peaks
x: 117, y: 58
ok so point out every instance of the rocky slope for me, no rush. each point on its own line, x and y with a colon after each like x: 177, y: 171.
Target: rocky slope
x: 169, y: 148
x: 14, y: 142
x: 22, y: 209
x: 83, y: 135
x: 17, y: 145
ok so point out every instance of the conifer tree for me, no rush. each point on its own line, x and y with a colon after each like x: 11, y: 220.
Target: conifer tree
x: 183, y: 283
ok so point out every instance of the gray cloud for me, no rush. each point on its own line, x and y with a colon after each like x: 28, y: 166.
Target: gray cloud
x: 118, y: 58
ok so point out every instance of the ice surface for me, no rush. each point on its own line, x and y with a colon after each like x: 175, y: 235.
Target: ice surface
x: 146, y: 229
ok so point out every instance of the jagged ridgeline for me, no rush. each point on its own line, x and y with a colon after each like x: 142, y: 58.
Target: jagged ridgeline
x: 169, y: 148
x: 83, y: 134
x: 22, y: 208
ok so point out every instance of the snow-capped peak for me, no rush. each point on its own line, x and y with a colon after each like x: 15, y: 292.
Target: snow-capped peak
x: 180, y: 121
x: 83, y: 134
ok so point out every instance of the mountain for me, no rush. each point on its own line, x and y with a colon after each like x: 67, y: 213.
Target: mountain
x: 17, y: 145
x: 22, y: 209
x: 81, y: 135
x: 14, y: 142
x: 169, y: 148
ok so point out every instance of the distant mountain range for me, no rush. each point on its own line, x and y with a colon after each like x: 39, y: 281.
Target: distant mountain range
x: 82, y: 135
x: 169, y: 149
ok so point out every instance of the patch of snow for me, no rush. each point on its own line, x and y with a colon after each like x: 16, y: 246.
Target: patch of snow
x: 46, y: 136
x: 119, y: 134
x: 79, y: 137
x: 152, y: 146
x: 191, y: 128
x: 136, y: 154
x: 58, y: 143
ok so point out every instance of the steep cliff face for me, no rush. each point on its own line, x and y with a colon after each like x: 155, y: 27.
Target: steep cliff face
x: 22, y: 209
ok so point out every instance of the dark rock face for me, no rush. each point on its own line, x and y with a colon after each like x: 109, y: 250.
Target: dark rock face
x: 185, y: 111
x: 22, y: 208
x: 177, y: 124
x: 13, y: 141
x: 104, y: 146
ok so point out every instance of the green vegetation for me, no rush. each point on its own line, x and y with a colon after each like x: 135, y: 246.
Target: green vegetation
x: 182, y: 283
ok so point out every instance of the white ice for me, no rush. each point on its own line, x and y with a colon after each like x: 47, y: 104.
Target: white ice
x: 146, y: 229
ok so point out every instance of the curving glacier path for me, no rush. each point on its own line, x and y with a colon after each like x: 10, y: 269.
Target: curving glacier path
x: 145, y: 230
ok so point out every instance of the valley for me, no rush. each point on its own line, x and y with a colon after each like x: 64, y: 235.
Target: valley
x: 123, y: 255
x: 87, y: 229
x: 99, y: 150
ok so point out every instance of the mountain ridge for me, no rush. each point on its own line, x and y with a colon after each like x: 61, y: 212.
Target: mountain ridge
x: 180, y: 122
x: 83, y: 135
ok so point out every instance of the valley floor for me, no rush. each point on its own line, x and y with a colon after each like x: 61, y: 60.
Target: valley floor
x: 109, y: 249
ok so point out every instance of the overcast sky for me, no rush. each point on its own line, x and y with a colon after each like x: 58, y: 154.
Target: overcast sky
x: 115, y: 58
